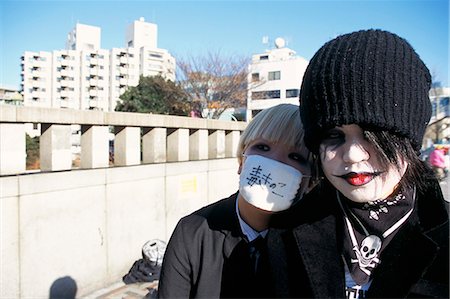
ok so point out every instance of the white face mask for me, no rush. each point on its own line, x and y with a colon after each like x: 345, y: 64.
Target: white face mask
x: 268, y: 184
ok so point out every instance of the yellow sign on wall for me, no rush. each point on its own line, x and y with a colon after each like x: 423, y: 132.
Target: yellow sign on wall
x: 188, y: 185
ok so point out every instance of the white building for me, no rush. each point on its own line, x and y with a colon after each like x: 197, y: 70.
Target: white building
x: 274, y: 78
x: 84, y: 37
x: 84, y: 76
x: 37, y: 69
x: 438, y: 130
x: 10, y: 96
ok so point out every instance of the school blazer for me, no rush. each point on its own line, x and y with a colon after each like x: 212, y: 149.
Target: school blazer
x: 207, y: 257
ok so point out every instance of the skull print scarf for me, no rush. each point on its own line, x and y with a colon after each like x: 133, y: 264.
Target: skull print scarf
x: 368, y: 229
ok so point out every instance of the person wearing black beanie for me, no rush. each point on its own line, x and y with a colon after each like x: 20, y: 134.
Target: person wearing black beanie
x: 377, y: 226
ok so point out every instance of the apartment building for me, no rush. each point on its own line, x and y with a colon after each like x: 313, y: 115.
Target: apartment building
x: 85, y: 76
x: 274, y: 78
x: 10, y: 96
x: 37, y: 69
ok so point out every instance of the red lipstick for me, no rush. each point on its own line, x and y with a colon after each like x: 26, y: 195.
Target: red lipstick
x: 358, y: 179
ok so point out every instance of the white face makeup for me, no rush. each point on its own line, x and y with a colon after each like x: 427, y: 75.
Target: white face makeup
x: 351, y: 164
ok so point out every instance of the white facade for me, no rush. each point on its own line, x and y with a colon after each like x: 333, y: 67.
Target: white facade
x: 10, y: 96
x: 65, y: 79
x: 274, y: 78
x: 438, y: 130
x: 124, y: 72
x: 84, y: 37
x: 84, y: 76
x: 142, y: 34
x: 157, y: 62
x: 37, y: 79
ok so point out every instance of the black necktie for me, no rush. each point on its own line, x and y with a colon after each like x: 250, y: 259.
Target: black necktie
x: 256, y: 249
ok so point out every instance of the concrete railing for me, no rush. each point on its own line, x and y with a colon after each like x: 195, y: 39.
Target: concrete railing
x: 90, y: 223
x: 164, y: 138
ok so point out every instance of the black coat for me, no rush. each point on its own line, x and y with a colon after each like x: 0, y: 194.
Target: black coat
x: 207, y: 257
x: 307, y: 246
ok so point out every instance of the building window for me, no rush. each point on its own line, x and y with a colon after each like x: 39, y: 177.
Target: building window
x: 268, y: 94
x: 292, y: 93
x: 264, y: 57
x: 258, y: 95
x: 255, y: 77
x: 155, y: 55
x: 274, y: 75
x: 273, y: 94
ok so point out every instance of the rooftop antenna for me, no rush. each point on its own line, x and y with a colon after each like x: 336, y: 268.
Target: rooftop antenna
x: 265, y: 41
x: 280, y: 42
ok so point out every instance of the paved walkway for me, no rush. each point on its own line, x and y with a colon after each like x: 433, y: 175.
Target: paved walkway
x: 120, y: 290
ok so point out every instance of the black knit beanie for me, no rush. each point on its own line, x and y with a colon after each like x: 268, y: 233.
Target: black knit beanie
x: 372, y: 78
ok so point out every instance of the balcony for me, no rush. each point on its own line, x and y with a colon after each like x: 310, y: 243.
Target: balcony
x: 65, y: 93
x: 64, y: 102
x: 123, y: 60
x: 36, y: 73
x: 66, y: 83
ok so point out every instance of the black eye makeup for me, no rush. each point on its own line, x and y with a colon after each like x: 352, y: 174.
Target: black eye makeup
x: 333, y: 137
x: 298, y: 157
x: 261, y: 147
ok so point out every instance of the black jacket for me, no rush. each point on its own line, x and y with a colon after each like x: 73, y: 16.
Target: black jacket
x: 307, y: 244
x: 207, y: 257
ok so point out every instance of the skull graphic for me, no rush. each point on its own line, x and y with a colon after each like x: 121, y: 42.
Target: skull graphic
x: 369, y: 249
x: 367, y: 254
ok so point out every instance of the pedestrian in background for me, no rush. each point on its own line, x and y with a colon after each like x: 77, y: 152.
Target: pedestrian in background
x: 437, y: 162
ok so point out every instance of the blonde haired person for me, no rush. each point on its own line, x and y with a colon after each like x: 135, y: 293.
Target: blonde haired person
x: 219, y: 250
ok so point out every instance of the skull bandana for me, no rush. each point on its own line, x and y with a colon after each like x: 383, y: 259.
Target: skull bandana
x: 369, y: 227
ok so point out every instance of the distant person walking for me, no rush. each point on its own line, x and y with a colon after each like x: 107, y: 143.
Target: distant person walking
x: 437, y: 162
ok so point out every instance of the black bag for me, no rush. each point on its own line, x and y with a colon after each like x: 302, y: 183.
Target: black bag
x: 148, y: 268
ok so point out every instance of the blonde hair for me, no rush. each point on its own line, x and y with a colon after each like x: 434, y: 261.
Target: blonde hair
x: 278, y: 124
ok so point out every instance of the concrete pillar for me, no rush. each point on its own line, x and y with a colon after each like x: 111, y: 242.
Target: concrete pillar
x: 94, y: 146
x: 198, y: 145
x: 12, y: 148
x: 231, y: 143
x: 127, y: 146
x: 154, y: 145
x: 216, y: 144
x: 55, y: 147
x: 178, y: 145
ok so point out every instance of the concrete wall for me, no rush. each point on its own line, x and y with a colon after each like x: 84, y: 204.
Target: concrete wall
x: 90, y: 224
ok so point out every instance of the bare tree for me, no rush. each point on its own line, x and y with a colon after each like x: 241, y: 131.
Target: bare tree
x: 214, y: 81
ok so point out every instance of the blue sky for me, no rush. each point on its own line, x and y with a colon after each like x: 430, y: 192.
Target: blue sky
x: 233, y: 27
